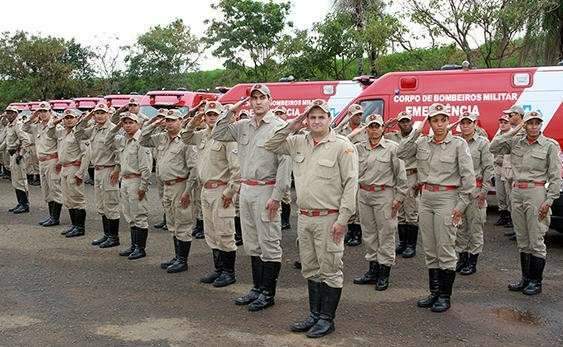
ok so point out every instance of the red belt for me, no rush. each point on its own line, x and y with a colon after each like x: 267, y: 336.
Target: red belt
x: 174, y: 181
x: 212, y: 184
x: 101, y: 167
x: 132, y: 175
x: 371, y: 187
x: 48, y: 157
x: 411, y: 171
x: 528, y: 184
x: 479, y: 183
x: 438, y: 188
x: 316, y: 213
x: 72, y: 163
x: 258, y: 182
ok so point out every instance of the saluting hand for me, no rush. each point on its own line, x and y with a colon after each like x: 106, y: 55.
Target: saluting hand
x: 239, y: 104
x: 453, y: 125
x: 543, y: 211
x: 298, y: 122
x: 390, y: 123
x: 196, y: 121
x: 357, y: 131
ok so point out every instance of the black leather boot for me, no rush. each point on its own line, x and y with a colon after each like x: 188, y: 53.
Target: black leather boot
x: 509, y: 223
x: 18, y: 198
x: 161, y: 224
x: 525, y: 267
x: 434, y: 287
x: 285, y: 214
x: 402, y: 244
x: 72, y: 215
x: 141, y: 236
x: 55, y: 215
x: 113, y: 234
x: 47, y: 219
x: 105, y: 236
x: 197, y: 231
x: 268, y: 289
x: 24, y: 202
x: 462, y: 259
x: 227, y: 277
x: 181, y: 263
x: 537, y: 265
x: 356, y: 237
x: 126, y: 252
x: 349, y: 234
x: 210, y: 278
x: 238, y: 232
x: 166, y: 264
x: 314, y: 289
x: 447, y: 278
x: 257, y: 273
x: 370, y: 277
x: 383, y: 277
x: 330, y: 297
x: 471, y: 266
x: 411, y: 235
x: 502, y: 219
x: 80, y: 217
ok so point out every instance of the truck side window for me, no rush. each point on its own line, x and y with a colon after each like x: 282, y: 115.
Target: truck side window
x: 372, y: 107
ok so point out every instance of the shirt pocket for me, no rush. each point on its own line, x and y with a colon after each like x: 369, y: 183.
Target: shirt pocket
x: 326, y: 168
x: 538, y: 159
x: 447, y: 161
x: 216, y: 146
x: 422, y: 154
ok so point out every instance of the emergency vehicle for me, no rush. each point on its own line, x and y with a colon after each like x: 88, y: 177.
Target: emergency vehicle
x: 179, y: 99
x: 119, y: 100
x: 21, y: 106
x: 61, y: 105
x: 297, y: 96
x: 87, y: 103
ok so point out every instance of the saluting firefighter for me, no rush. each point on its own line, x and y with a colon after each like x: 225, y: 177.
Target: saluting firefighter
x: 447, y: 179
x: 133, y: 107
x: 265, y: 177
x: 17, y: 143
x: 106, y: 177
x: 176, y: 169
x: 73, y: 161
x: 537, y: 181
x: 383, y: 186
x: 469, y: 240
x: 325, y: 167
x: 159, y: 185
x: 500, y: 190
x: 47, y: 156
x: 281, y: 113
x: 135, y: 167
x: 218, y: 172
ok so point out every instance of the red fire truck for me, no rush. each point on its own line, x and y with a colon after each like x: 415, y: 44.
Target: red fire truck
x: 179, y: 99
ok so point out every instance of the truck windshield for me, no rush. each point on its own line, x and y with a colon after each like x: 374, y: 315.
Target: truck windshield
x: 372, y: 107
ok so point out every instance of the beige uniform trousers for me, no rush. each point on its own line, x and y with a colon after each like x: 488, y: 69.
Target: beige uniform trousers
x: 321, y: 257
x: 106, y: 194
x: 500, y: 191
x: 18, y: 172
x: 219, y: 222
x: 260, y: 235
x: 179, y: 220
x: 438, y: 232
x: 196, y: 200
x: 469, y: 237
x: 50, y: 181
x: 408, y: 214
x: 508, y: 191
x: 135, y: 212
x: 378, y: 227
x: 73, y: 194
x: 530, y: 231
x: 32, y: 162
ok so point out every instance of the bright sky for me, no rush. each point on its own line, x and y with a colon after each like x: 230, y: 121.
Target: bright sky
x: 102, y: 20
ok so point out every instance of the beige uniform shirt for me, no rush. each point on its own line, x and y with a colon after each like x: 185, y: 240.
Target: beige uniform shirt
x: 70, y: 149
x: 532, y: 162
x: 44, y: 145
x: 16, y: 138
x: 447, y: 163
x: 255, y: 161
x: 134, y: 159
x: 100, y: 155
x: 397, y: 137
x: 380, y: 166
x: 326, y: 174
x: 482, y: 161
x: 216, y: 161
x: 175, y: 161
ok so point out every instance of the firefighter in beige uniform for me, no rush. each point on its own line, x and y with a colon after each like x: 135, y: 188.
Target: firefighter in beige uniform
x: 73, y: 161
x: 469, y: 240
x: 17, y: 143
x: 106, y: 187
x: 351, y: 126
x: 31, y: 161
x: 135, y: 166
x: 4, y: 157
x: 500, y: 189
x: 446, y: 174
x: 176, y: 169
x: 265, y: 177
x: 408, y: 214
x: 537, y: 181
x: 325, y: 167
x: 281, y: 113
x: 132, y: 106
x: 159, y: 185
x: 218, y: 172
x: 47, y: 155
x: 382, y: 188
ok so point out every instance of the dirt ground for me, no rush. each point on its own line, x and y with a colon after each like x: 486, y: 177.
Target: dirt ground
x: 58, y: 291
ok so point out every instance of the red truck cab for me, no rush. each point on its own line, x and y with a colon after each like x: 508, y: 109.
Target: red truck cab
x: 178, y: 99
x: 87, y: 103
x: 61, y: 105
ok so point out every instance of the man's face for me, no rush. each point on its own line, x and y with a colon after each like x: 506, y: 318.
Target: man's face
x: 134, y: 108
x: 69, y: 121
x: 467, y: 127
x: 44, y: 115
x: 356, y: 119
x: 515, y: 118
x: 211, y: 119
x: 130, y: 126
x: 259, y: 103
x: 533, y: 127
x: 405, y: 125
x: 439, y: 124
x: 173, y: 125
x: 11, y: 115
x: 281, y: 115
x: 101, y: 117
x: 503, y: 125
x: 375, y: 131
x: 318, y: 121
